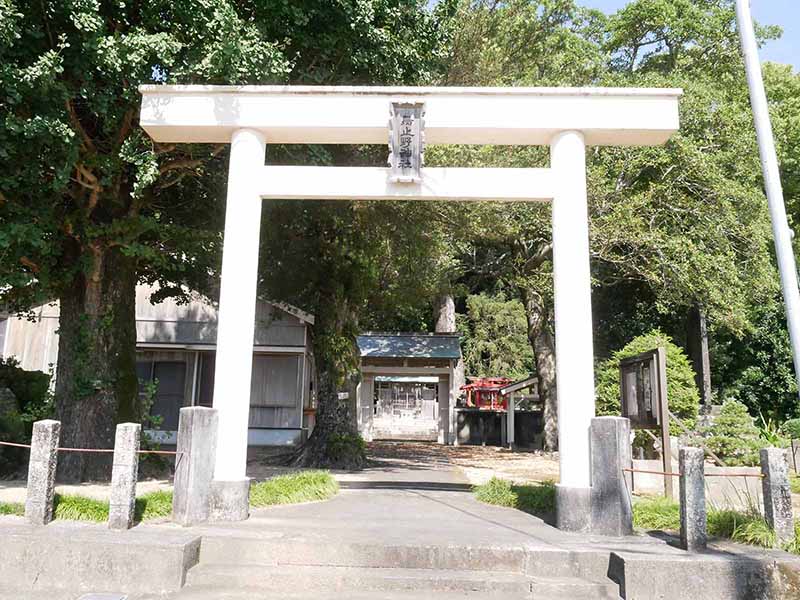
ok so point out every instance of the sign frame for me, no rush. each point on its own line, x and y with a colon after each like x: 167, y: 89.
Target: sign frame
x: 651, y: 411
x: 406, y: 141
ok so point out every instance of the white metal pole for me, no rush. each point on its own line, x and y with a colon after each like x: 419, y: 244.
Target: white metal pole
x: 772, y: 179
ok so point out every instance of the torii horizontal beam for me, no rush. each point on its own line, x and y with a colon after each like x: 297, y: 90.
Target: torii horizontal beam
x: 372, y: 183
x: 359, y: 115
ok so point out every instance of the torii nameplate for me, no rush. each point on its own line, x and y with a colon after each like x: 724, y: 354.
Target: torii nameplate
x: 406, y: 141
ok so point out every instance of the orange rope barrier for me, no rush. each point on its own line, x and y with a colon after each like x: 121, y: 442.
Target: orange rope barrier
x: 97, y: 450
x: 758, y: 475
x: 15, y: 445
x: 651, y: 472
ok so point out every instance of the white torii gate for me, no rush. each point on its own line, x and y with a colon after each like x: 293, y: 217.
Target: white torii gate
x: 565, y: 119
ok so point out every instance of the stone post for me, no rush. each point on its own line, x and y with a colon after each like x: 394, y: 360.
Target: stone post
x: 194, y: 465
x: 777, y: 494
x: 693, y: 498
x: 42, y: 472
x: 124, y: 475
x: 611, y: 486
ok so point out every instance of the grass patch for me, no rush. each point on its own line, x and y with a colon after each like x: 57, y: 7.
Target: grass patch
x: 79, y: 508
x: 747, y: 527
x: 305, y: 486
x: 794, y: 483
x: 657, y: 513
x: 154, y: 505
x: 537, y: 499
x: 12, y: 508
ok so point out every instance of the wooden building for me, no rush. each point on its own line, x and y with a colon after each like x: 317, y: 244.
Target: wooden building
x: 176, y: 351
x: 408, y: 389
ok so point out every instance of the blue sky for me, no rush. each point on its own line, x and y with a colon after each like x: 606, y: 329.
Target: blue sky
x: 785, y: 13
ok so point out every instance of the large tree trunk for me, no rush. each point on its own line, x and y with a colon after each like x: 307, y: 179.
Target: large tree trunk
x: 446, y: 323
x: 335, y: 441
x: 541, y: 339
x: 96, y: 385
x: 697, y: 346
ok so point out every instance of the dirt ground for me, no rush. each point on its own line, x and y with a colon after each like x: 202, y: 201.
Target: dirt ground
x: 478, y: 463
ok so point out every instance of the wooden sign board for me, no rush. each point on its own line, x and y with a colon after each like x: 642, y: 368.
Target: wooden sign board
x: 642, y: 395
x: 643, y: 398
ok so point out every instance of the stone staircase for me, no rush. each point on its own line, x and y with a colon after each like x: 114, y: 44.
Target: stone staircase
x: 238, y: 568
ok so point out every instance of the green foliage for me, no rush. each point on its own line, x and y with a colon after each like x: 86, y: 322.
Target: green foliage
x: 682, y: 394
x: 33, y: 402
x: 756, y: 367
x: 733, y: 436
x: 537, y: 499
x: 791, y: 429
x: 747, y: 527
x: 344, y: 448
x: 16, y: 509
x: 80, y: 508
x: 498, y: 492
x: 794, y: 482
x: 770, y: 432
x: 495, y: 338
x: 657, y: 512
x: 30, y: 387
x: 155, y: 505
x: 305, y: 486
x: 89, y: 188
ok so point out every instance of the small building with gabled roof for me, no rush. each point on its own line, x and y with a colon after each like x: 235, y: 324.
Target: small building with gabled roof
x: 408, y: 389
x: 176, y: 355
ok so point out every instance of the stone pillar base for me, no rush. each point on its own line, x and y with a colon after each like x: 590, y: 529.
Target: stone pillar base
x: 573, y: 508
x: 230, y: 500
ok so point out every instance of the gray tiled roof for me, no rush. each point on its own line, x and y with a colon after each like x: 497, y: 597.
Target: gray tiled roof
x: 409, y: 345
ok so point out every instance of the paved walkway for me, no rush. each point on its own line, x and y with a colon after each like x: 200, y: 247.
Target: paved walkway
x: 408, y: 495
x: 410, y: 519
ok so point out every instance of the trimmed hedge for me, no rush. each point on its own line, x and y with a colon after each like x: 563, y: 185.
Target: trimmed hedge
x: 683, y: 397
x: 791, y: 429
x: 733, y: 435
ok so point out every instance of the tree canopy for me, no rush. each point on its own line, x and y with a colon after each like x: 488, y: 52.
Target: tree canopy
x: 89, y: 205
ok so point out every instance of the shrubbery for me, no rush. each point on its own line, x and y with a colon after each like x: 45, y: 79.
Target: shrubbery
x: 733, y: 435
x: 536, y: 498
x: 791, y: 429
x: 346, y: 449
x: 33, y: 402
x: 682, y: 394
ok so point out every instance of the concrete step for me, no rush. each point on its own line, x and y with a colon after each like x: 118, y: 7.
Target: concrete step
x: 215, y: 592
x: 311, y: 579
x: 274, y: 552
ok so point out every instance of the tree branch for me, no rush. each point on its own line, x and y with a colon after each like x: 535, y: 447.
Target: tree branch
x: 76, y: 123
x: 125, y: 128
x: 189, y: 163
x: 29, y: 263
x: 542, y: 254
